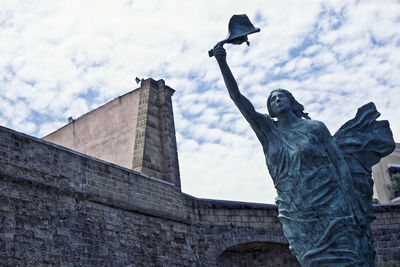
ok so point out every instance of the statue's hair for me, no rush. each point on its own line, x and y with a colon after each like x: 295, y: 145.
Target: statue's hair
x: 297, y: 108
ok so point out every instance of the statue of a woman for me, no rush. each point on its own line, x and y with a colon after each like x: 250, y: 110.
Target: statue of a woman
x: 324, y: 212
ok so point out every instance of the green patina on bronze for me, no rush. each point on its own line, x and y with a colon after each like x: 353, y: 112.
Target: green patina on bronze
x: 323, y: 182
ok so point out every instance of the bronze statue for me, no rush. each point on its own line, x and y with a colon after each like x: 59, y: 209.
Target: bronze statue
x: 323, y: 182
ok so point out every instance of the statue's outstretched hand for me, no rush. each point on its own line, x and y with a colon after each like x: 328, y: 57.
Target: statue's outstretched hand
x: 219, y: 52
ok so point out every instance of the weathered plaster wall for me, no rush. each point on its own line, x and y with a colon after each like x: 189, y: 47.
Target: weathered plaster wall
x: 107, y: 132
x: 60, y: 207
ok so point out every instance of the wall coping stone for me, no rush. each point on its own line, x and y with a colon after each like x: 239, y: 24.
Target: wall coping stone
x: 231, y: 204
x: 381, y: 208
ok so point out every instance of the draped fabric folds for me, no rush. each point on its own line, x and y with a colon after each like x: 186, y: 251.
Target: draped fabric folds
x: 365, y: 139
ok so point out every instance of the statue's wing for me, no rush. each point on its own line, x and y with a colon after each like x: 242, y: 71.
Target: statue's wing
x: 364, y: 140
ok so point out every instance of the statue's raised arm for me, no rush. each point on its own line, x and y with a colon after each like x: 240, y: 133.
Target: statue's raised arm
x: 239, y: 27
x: 244, y: 105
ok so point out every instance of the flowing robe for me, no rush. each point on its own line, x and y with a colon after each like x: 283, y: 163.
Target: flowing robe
x: 324, y: 216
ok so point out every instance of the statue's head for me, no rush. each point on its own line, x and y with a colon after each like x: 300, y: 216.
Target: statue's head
x: 295, y: 106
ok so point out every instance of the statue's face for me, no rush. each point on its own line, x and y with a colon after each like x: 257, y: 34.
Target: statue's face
x: 279, y: 102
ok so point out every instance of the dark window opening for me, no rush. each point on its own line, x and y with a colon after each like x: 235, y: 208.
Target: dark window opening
x: 395, y: 177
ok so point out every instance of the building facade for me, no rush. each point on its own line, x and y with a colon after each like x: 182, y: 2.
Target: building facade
x: 386, y: 190
x: 135, y: 130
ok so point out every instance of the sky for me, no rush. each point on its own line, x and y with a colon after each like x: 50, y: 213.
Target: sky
x: 65, y: 58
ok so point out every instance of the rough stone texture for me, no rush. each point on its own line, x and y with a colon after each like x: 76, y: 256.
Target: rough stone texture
x: 135, y: 130
x: 155, y: 151
x: 60, y: 207
x: 386, y: 231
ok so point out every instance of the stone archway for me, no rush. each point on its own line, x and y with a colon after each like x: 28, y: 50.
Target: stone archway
x: 257, y: 254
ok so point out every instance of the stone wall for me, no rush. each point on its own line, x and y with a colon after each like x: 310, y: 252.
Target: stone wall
x: 60, y: 207
x: 386, y: 231
x: 155, y: 151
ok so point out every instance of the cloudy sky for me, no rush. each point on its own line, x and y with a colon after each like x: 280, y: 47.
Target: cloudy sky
x: 64, y: 58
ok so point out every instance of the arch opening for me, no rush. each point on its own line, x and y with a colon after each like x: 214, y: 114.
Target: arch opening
x: 257, y: 254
